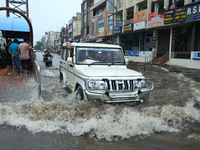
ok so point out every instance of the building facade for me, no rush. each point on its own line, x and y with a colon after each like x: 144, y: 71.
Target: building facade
x: 147, y: 28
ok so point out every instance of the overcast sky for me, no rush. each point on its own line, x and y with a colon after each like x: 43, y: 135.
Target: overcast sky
x: 49, y: 15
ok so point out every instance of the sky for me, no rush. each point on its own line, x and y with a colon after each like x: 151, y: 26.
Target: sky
x: 49, y: 15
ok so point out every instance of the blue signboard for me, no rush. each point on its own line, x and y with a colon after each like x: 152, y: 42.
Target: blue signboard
x: 117, y: 30
x: 196, y: 55
x: 132, y: 52
x: 193, y: 13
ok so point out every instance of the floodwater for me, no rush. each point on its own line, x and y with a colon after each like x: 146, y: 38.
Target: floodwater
x: 170, y: 120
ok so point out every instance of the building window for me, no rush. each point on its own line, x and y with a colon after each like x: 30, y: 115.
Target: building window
x: 172, y: 4
x: 85, y: 6
x: 129, y: 14
x: 110, y: 5
x: 92, y: 28
x: 100, y: 26
x: 84, y: 32
x: 110, y: 22
x: 85, y: 20
x: 88, y: 15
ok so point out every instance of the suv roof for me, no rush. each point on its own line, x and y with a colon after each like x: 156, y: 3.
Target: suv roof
x: 94, y: 45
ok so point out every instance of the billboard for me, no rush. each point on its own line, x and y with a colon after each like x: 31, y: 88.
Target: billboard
x: 155, y: 20
x: 139, y: 20
x: 193, y: 13
x: 128, y: 27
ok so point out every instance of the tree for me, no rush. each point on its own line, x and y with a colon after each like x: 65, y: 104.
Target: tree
x: 38, y: 45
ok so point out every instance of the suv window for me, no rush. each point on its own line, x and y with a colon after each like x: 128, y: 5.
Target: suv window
x: 99, y: 56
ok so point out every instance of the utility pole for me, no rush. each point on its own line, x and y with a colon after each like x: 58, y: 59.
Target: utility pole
x: 21, y: 5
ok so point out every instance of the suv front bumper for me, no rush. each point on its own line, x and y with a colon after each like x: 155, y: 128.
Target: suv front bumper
x: 116, y: 97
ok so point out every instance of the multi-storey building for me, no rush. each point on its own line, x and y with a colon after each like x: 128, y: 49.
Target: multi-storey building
x: 148, y: 28
x: 85, y: 19
x: 76, y: 27
x: 70, y: 30
x: 51, y: 39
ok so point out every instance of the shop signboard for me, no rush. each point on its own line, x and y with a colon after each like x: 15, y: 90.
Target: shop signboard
x: 193, y: 13
x: 168, y: 16
x: 155, y: 20
x: 196, y: 55
x: 153, y: 42
x: 145, y: 54
x: 139, y: 16
x: 179, y: 14
x: 139, y: 20
x: 140, y: 25
x: 118, y: 22
x: 132, y: 52
x: 175, y: 15
x: 93, y: 36
x: 117, y: 29
x: 128, y: 27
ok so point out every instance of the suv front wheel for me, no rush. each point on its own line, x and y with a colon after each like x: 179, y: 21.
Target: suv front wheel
x: 79, y: 94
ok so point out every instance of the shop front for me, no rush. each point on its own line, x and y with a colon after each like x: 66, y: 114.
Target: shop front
x: 193, y: 17
x: 178, y: 35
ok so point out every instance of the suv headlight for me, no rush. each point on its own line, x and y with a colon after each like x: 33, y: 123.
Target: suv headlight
x: 97, y: 85
x: 144, y: 84
x: 140, y: 84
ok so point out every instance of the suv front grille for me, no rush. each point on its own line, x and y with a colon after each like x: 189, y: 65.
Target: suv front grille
x: 121, y: 85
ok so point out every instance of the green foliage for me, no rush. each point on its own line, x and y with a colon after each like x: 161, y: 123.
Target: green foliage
x: 38, y: 45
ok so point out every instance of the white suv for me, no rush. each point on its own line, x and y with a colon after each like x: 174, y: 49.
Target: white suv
x: 98, y: 72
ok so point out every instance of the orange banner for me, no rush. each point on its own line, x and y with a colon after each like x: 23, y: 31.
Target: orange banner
x: 139, y: 16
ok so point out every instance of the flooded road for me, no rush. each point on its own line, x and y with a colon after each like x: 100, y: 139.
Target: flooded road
x: 170, y: 120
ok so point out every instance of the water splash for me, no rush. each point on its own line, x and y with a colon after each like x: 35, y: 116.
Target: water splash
x: 104, y: 122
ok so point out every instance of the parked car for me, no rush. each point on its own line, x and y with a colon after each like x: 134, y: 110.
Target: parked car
x: 99, y: 72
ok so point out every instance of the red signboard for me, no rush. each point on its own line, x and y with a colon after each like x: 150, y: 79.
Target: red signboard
x: 154, y: 16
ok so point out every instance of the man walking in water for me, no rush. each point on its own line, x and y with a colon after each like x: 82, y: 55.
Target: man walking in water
x: 24, y: 49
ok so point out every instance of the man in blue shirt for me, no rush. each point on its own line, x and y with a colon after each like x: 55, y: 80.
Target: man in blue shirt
x: 14, y: 52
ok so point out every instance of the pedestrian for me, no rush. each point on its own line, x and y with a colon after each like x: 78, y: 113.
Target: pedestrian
x: 14, y: 52
x: 25, y: 49
x: 8, y: 56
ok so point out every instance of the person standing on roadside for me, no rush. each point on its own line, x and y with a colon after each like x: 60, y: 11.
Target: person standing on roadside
x: 25, y: 49
x: 14, y: 52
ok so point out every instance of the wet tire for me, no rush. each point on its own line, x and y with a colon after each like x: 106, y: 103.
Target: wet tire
x: 61, y: 77
x: 79, y: 94
x: 62, y: 80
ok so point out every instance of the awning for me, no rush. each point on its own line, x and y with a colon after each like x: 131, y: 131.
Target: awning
x: 14, y: 24
x: 13, y: 27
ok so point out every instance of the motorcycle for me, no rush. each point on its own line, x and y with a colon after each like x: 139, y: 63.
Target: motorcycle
x: 48, y: 61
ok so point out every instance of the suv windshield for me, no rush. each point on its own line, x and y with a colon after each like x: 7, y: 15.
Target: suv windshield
x: 99, y: 56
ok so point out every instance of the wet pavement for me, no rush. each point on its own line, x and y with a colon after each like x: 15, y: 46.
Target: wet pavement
x: 170, y: 120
